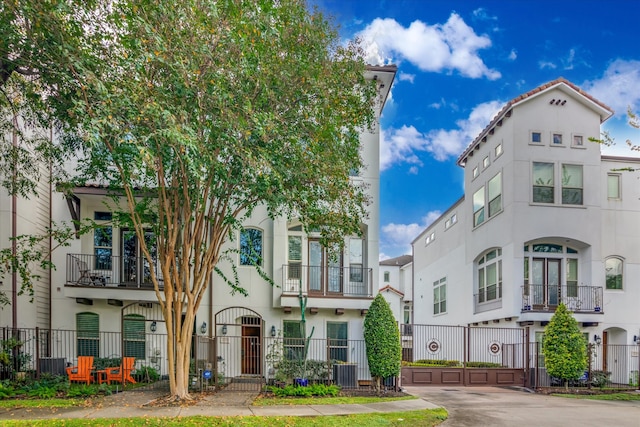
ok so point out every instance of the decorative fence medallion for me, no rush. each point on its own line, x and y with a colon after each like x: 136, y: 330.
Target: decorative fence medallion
x: 495, y: 348
x: 433, y: 346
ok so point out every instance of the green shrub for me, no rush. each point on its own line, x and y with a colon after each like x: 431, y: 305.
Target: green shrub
x: 43, y: 392
x: 435, y: 362
x: 308, y: 391
x: 382, y: 339
x: 317, y: 370
x: 82, y: 390
x: 600, y: 378
x: 100, y: 363
x: 6, y: 390
x: 483, y: 365
x: 147, y: 374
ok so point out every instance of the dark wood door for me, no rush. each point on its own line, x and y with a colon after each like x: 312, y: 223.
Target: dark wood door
x: 251, y: 350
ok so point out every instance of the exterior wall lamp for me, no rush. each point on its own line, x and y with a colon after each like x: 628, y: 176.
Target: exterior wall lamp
x: 153, y: 326
x: 273, y: 330
x: 597, y: 339
x: 636, y: 339
x: 224, y: 329
x: 203, y: 328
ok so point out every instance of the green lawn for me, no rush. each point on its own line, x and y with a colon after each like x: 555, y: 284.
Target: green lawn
x: 424, y: 418
x: 41, y: 403
x: 270, y: 401
x: 604, y: 396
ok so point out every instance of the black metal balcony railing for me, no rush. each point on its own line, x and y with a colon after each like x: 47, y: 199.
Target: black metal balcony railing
x: 127, y: 272
x: 579, y: 299
x: 319, y: 281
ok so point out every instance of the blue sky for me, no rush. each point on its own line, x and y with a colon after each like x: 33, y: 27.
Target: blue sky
x: 459, y: 62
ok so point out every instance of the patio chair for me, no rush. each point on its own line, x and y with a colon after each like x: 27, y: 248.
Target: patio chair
x: 82, y: 372
x: 121, y: 374
x: 88, y: 277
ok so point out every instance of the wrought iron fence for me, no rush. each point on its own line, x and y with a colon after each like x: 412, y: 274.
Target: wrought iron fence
x: 610, y: 366
x: 320, y: 281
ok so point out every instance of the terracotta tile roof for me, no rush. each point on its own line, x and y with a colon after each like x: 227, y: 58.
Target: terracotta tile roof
x: 524, y: 97
x: 389, y: 288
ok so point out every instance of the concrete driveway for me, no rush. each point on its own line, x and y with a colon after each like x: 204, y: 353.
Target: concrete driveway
x: 493, y: 406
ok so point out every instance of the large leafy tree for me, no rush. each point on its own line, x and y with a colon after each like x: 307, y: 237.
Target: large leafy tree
x: 382, y: 339
x: 564, y: 346
x: 201, y: 112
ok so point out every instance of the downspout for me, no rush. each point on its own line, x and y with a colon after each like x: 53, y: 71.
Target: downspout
x: 14, y: 233
x: 50, y: 225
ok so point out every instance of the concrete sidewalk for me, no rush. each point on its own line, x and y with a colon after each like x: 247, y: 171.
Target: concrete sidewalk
x: 132, y: 404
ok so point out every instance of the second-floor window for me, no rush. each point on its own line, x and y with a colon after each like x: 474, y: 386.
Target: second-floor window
x: 440, y: 296
x: 571, y: 184
x: 613, y: 186
x: 478, y: 207
x: 613, y: 272
x: 495, y: 194
x: 543, y: 182
x: 490, y: 276
x: 251, y: 246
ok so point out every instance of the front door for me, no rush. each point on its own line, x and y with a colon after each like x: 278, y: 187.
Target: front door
x: 546, y: 281
x: 251, y: 350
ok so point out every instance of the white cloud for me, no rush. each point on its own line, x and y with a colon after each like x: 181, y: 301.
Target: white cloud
x: 546, y: 64
x: 619, y: 87
x: 404, y: 145
x: 449, y: 46
x: 406, y: 77
x: 513, y: 55
x: 397, y: 238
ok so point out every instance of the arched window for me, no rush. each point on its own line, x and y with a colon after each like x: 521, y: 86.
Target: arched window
x: 251, y: 246
x: 613, y: 270
x: 490, y: 276
x: 88, y: 334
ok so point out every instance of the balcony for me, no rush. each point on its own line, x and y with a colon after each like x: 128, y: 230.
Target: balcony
x: 110, y: 271
x: 327, y: 282
x: 545, y: 298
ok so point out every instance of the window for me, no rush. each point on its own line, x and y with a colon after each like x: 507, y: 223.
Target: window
x: 386, y: 277
x: 572, y: 277
x: 498, y: 150
x: 338, y: 344
x: 295, y: 257
x: 88, y: 334
x: 490, y: 276
x: 451, y: 220
x: 293, y: 340
x: 577, y: 141
x: 478, y: 207
x: 485, y: 162
x: 102, y: 247
x: 440, y: 296
x: 613, y: 269
x: 495, y: 194
x: 356, y: 260
x: 613, y: 186
x: 536, y: 137
x: 556, y: 138
x: 572, y: 184
x: 430, y: 238
x: 475, y: 172
x: 133, y: 336
x: 543, y: 183
x: 251, y: 246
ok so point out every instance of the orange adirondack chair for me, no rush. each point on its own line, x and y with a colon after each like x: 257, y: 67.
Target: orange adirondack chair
x: 121, y: 374
x: 82, y: 372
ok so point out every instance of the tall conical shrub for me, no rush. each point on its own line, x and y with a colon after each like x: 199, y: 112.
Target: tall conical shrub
x: 382, y: 338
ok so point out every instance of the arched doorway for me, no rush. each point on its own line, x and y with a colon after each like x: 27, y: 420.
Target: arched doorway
x: 239, y: 339
x: 144, y: 335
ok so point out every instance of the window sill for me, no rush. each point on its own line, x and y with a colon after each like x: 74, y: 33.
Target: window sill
x: 557, y: 205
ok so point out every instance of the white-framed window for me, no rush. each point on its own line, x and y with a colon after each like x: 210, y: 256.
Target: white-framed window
x: 490, y: 276
x: 543, y: 182
x: 494, y: 189
x: 485, y: 162
x: 498, y: 150
x: 451, y: 221
x: 294, y: 255
x: 251, y: 246
x: 102, y: 241
x: 478, y: 207
x: 572, y: 277
x: 536, y: 137
x: 475, y: 172
x: 572, y: 185
x: 613, y: 186
x: 556, y: 138
x: 356, y: 259
x: 337, y: 334
x: 613, y: 267
x: 88, y: 334
x: 577, y: 141
x: 387, y: 277
x: 430, y: 238
x: 440, y: 296
x: 292, y: 340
